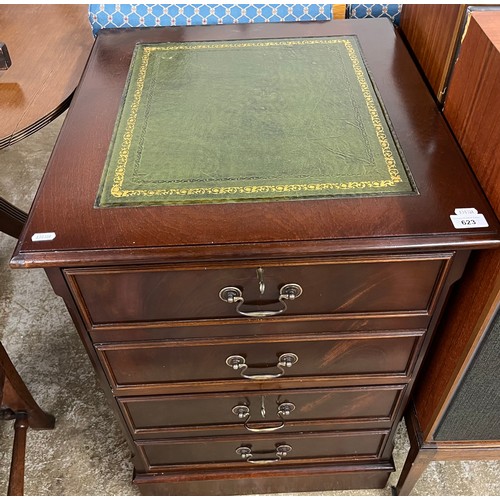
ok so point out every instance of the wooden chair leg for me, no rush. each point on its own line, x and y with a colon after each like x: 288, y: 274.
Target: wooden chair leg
x: 17, y: 396
x: 16, y: 402
x: 16, y: 478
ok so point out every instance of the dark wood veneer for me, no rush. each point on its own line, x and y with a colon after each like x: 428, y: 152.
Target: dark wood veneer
x: 244, y: 327
x: 314, y: 447
x: 325, y: 409
x: 332, y: 477
x: 165, y: 364
x: 432, y: 32
x: 142, y: 285
x: 85, y: 232
x: 399, y: 283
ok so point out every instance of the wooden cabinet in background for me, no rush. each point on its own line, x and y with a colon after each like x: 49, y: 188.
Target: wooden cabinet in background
x: 435, y: 33
x: 472, y: 106
x: 432, y: 32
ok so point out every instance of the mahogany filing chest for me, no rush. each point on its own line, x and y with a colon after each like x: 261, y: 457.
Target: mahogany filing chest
x: 257, y: 347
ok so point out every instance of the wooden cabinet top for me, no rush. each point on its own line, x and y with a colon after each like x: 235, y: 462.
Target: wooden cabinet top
x: 64, y: 204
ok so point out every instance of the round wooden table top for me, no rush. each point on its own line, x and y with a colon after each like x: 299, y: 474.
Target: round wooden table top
x: 49, y: 46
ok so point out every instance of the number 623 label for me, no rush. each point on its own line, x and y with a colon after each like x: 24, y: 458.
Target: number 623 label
x: 468, y: 218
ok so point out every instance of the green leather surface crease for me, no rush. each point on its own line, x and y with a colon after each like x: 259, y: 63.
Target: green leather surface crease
x: 256, y: 120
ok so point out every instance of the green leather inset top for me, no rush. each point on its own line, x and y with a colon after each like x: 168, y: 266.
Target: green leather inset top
x: 256, y: 120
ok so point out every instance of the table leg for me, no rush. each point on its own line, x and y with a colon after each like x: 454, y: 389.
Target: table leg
x: 12, y: 219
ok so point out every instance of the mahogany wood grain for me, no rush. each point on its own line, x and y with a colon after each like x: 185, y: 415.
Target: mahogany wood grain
x: 85, y: 232
x: 332, y: 408
x: 246, y: 327
x: 256, y: 250
x: 272, y: 480
x: 133, y: 279
x: 417, y: 459
x: 59, y: 285
x: 472, y: 107
x: 389, y: 283
x: 48, y: 46
x: 432, y: 33
x: 221, y: 451
x: 164, y: 365
x: 468, y: 313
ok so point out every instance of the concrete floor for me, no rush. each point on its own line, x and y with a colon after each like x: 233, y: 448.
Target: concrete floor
x: 86, y: 454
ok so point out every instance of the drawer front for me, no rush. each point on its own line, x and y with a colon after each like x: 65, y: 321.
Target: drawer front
x: 163, y: 293
x: 264, y: 451
x: 256, y: 412
x: 167, y: 363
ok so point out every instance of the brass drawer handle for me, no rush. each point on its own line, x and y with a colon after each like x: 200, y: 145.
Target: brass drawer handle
x: 281, y: 451
x: 237, y: 362
x: 243, y: 411
x: 233, y: 295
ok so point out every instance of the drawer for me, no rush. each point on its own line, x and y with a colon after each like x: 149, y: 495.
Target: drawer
x: 165, y: 293
x: 262, y: 451
x: 198, y: 364
x: 255, y: 412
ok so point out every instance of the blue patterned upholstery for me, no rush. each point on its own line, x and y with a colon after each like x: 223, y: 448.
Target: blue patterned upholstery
x: 138, y: 15
x: 364, y: 10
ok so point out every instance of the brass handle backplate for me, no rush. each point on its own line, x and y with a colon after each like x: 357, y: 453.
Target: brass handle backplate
x: 237, y: 362
x: 246, y: 453
x: 233, y: 295
x: 243, y: 412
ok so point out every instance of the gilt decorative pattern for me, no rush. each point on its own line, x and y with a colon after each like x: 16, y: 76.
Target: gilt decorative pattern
x: 257, y: 120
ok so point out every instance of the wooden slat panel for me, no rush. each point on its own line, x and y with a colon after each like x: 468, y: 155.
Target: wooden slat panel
x: 473, y: 102
x: 431, y: 31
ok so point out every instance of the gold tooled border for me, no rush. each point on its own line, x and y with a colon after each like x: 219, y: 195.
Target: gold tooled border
x: 117, y: 190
